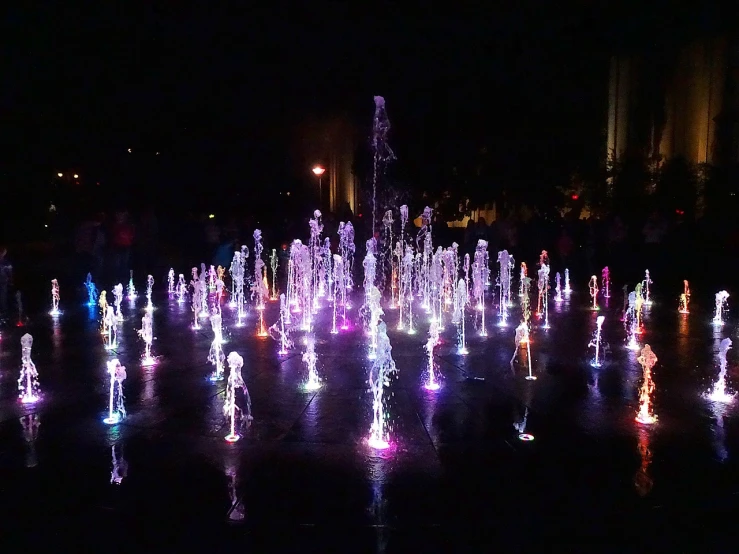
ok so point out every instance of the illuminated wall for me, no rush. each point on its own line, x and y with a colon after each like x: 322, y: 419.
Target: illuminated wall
x: 693, y: 95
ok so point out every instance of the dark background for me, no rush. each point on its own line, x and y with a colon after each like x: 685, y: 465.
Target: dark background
x: 518, y: 89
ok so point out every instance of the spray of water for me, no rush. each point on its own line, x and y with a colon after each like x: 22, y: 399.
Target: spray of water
x: 116, y: 408
x: 28, y: 384
x: 647, y: 359
x: 383, y: 367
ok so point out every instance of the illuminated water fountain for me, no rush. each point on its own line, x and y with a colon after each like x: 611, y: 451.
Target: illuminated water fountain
x: 131, y: 288
x: 543, y: 284
x: 54, y: 298
x: 647, y: 359
x: 374, y: 312
x: 460, y: 301
x: 568, y: 290
x: 181, y: 289
x: 204, y: 292
x: 595, y: 342
x: 197, y: 293
x: 383, y: 367
x: 170, y: 281
x: 117, y: 300
x: 147, y: 335
x: 116, y: 408
x: 504, y: 279
x: 111, y: 323
x: 230, y: 407
x: 520, y: 426
x: 278, y: 331
x: 149, y: 289
x: 479, y: 278
x: 721, y: 300
x: 522, y: 337
x: 606, y: 282
x: 557, y: 287
x: 103, y: 303
x: 92, y: 291
x: 310, y: 359
x: 28, y: 385
x: 433, y: 340
x: 719, y: 393
x: 684, y: 298
x: 215, y: 354
x: 647, y: 281
x: 593, y: 285
x: 273, y: 263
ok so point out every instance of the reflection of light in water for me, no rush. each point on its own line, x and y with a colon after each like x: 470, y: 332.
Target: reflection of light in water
x: 237, y: 511
x: 642, y: 480
x: 30, y: 424
x: 119, y: 464
x: 719, y: 442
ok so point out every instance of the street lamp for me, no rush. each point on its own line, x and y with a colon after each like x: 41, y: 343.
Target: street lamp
x: 318, y: 172
x: 60, y: 174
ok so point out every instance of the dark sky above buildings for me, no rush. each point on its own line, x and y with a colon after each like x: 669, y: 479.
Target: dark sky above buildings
x: 216, y: 91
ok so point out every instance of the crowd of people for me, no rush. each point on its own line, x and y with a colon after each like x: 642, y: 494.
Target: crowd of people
x: 109, y: 245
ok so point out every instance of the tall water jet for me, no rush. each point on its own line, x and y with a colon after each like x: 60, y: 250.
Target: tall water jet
x: 719, y: 393
x: 103, y: 303
x: 117, y: 300
x: 504, y: 281
x: 383, y: 367
x: 197, y: 293
x: 346, y: 251
x: 230, y: 407
x: 381, y: 152
x: 568, y: 290
x: 433, y: 340
x: 522, y: 337
x: 406, y: 290
x: 111, y: 323
x: 92, y: 291
x: 631, y: 322
x: 460, y: 301
x: 370, y: 266
x: 181, y: 289
x: 466, y: 268
x: 558, y: 288
x: 310, y: 359
x: 273, y: 263
x: 147, y: 335
x: 479, y: 278
x: 595, y: 342
x: 170, y: 281
x: 204, y: 289
x: 684, y: 298
x: 28, y: 385
x: 543, y: 284
x: 374, y: 313
x: 259, y: 292
x: 593, y: 286
x: 215, y: 354
x: 54, y: 298
x: 721, y: 299
x: 278, y: 329
x: 606, y: 282
x: 524, y: 273
x: 339, y: 293
x: 520, y: 426
x: 647, y: 281
x: 647, y: 359
x: 387, y: 260
x: 149, y: 289
x: 131, y: 288
x: 116, y: 408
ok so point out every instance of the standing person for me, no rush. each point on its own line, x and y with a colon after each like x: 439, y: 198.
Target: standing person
x: 122, y: 235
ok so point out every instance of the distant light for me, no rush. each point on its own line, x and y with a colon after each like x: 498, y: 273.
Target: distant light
x: 76, y: 176
x: 318, y: 170
x: 157, y: 153
x: 211, y: 216
x: 45, y: 225
x: 60, y: 174
x: 575, y: 197
x: 129, y: 150
x: 288, y: 193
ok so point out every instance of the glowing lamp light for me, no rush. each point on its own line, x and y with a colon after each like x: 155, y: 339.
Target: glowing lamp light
x: 575, y: 196
x: 112, y: 420
x: 76, y: 176
x: 60, y: 174
x: 318, y: 171
x: 526, y: 437
x: 232, y: 438
x: 211, y: 216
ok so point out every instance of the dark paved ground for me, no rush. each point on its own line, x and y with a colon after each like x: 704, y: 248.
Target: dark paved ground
x: 456, y: 480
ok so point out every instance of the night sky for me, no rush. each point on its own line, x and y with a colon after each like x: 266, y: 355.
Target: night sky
x: 217, y: 92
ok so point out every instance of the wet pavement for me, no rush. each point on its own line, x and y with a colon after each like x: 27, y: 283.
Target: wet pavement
x: 456, y: 477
